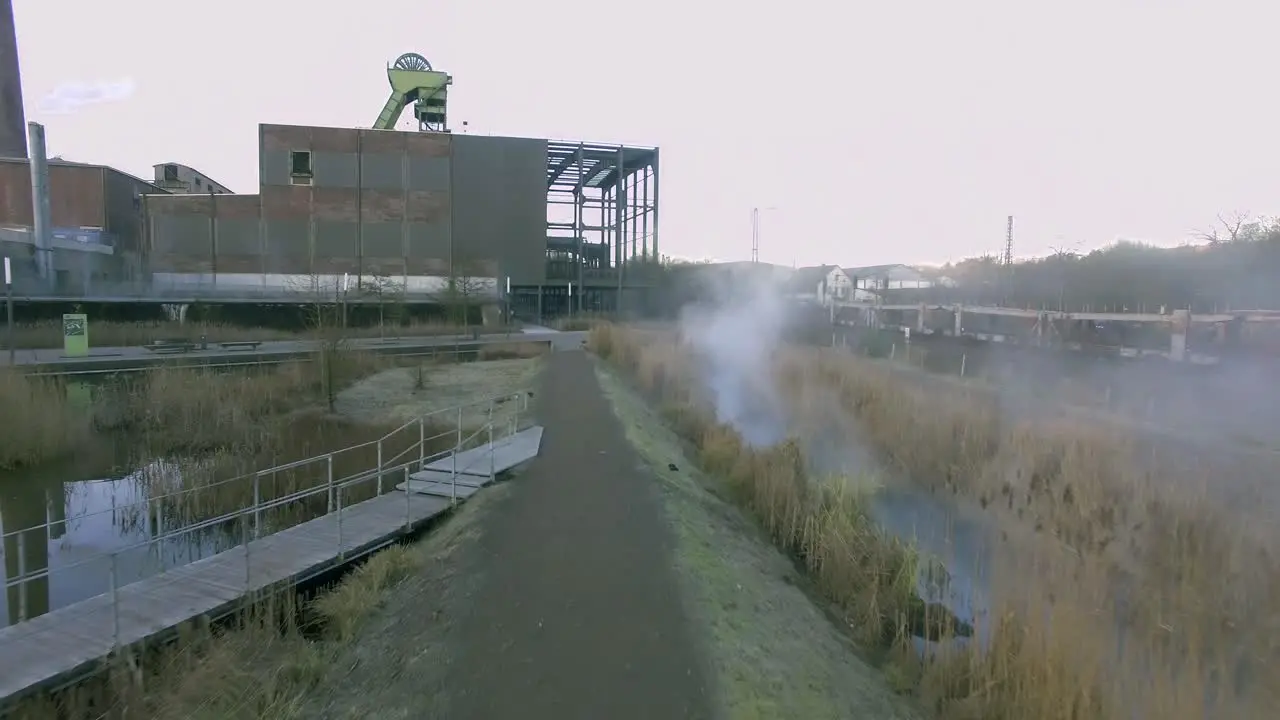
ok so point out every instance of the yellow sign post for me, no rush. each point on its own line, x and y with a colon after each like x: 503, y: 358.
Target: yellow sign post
x: 75, y: 335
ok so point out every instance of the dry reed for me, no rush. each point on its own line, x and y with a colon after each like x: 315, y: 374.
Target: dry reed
x: 1123, y: 589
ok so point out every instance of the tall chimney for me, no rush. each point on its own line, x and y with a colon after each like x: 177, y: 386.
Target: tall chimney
x: 13, y: 121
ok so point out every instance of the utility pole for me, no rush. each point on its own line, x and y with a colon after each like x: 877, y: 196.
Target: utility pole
x: 755, y: 235
x: 1008, y: 244
x: 755, y: 232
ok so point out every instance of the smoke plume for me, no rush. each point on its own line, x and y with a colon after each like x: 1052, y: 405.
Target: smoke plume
x: 733, y: 339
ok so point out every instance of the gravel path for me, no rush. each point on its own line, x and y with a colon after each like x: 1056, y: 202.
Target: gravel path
x: 580, y: 616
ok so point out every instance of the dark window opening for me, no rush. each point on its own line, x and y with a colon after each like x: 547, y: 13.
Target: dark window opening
x: 197, y: 182
x: 300, y: 163
x: 170, y: 173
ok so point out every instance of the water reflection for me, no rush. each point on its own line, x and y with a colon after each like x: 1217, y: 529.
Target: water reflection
x: 55, y: 520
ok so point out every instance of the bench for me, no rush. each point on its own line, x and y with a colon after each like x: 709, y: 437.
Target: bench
x: 240, y: 345
x: 170, y: 346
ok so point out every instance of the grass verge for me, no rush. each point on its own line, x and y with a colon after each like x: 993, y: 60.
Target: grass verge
x: 774, y: 652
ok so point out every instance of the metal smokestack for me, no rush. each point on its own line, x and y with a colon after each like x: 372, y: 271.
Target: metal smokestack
x: 13, y: 121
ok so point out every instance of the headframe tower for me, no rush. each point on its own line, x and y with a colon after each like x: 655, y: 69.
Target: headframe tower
x: 413, y: 80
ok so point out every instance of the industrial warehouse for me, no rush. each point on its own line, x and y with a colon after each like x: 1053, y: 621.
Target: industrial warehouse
x: 548, y: 227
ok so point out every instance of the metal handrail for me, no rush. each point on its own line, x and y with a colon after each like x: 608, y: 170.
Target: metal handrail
x: 332, y: 487
x: 423, y: 419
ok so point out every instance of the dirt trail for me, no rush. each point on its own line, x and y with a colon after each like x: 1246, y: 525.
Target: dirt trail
x: 581, y: 613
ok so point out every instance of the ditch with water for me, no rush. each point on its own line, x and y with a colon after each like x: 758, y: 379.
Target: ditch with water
x: 64, y: 517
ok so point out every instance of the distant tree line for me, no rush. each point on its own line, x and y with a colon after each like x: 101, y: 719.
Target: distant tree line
x: 1236, y: 266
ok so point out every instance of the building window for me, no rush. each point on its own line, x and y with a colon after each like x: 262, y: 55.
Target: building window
x: 197, y: 182
x: 300, y: 163
x: 171, y: 173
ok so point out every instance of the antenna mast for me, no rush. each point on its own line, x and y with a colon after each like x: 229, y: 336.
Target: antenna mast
x: 1007, y: 260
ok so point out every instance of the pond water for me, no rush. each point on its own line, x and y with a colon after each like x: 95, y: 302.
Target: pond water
x: 61, y: 520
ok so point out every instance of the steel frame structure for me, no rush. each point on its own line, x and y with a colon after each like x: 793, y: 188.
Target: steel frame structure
x: 602, y: 216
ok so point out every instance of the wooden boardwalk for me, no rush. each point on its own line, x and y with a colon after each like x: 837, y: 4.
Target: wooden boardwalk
x: 62, y: 646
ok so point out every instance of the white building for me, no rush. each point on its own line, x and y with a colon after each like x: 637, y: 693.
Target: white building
x: 874, y: 278
x: 180, y: 179
x: 824, y: 285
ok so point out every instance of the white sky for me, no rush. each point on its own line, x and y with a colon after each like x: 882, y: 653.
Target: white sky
x: 882, y: 132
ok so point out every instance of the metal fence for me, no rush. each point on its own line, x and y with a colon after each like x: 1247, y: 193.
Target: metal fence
x: 488, y: 347
x: 499, y: 417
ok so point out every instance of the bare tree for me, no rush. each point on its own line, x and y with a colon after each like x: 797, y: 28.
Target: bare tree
x: 463, y: 293
x: 389, y: 293
x: 1231, y: 223
x: 325, y: 313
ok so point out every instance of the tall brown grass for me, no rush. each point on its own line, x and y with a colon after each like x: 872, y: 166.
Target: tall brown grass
x: 1109, y: 535
x: 37, y: 423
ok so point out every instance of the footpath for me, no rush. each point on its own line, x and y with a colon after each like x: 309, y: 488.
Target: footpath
x: 579, y: 616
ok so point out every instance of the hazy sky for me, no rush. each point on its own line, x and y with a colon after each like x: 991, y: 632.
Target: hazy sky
x: 882, y: 132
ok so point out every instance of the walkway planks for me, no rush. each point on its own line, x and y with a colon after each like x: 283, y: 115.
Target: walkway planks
x: 507, y: 453
x: 57, y: 647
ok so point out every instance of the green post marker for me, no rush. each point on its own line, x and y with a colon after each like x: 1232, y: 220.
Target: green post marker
x: 75, y: 335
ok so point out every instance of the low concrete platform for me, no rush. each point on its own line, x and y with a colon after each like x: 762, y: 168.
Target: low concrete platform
x: 507, y: 453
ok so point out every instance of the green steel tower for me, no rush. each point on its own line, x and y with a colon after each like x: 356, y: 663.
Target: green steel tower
x: 414, y: 81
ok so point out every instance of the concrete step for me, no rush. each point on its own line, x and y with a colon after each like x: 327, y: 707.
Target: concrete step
x: 507, y: 453
x: 444, y: 489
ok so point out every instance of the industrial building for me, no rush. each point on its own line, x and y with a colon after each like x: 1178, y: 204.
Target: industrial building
x: 94, y: 239
x: 547, y: 226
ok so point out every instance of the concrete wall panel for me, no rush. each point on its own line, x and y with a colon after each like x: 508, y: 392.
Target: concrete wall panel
x: 382, y: 171
x: 383, y: 239
x: 428, y: 144
x: 373, y: 142
x: 330, y: 169
x: 335, y: 240
x: 334, y: 204
x: 334, y: 140
x: 427, y: 206
x: 236, y: 263
x: 387, y: 266
x: 284, y: 137
x: 237, y: 206
x: 429, y: 173
x: 286, y: 203
x: 499, y: 211
x: 237, y: 236
x: 382, y: 205
x: 287, y: 246
x: 273, y: 167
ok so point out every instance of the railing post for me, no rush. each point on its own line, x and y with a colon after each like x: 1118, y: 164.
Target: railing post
x: 342, y: 553
x: 244, y: 535
x: 329, y: 482
x: 115, y: 602
x: 379, y: 467
x: 492, y: 451
x: 257, y: 505
x: 457, y: 448
x: 22, y: 576
x: 422, y: 443
x: 408, y: 495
